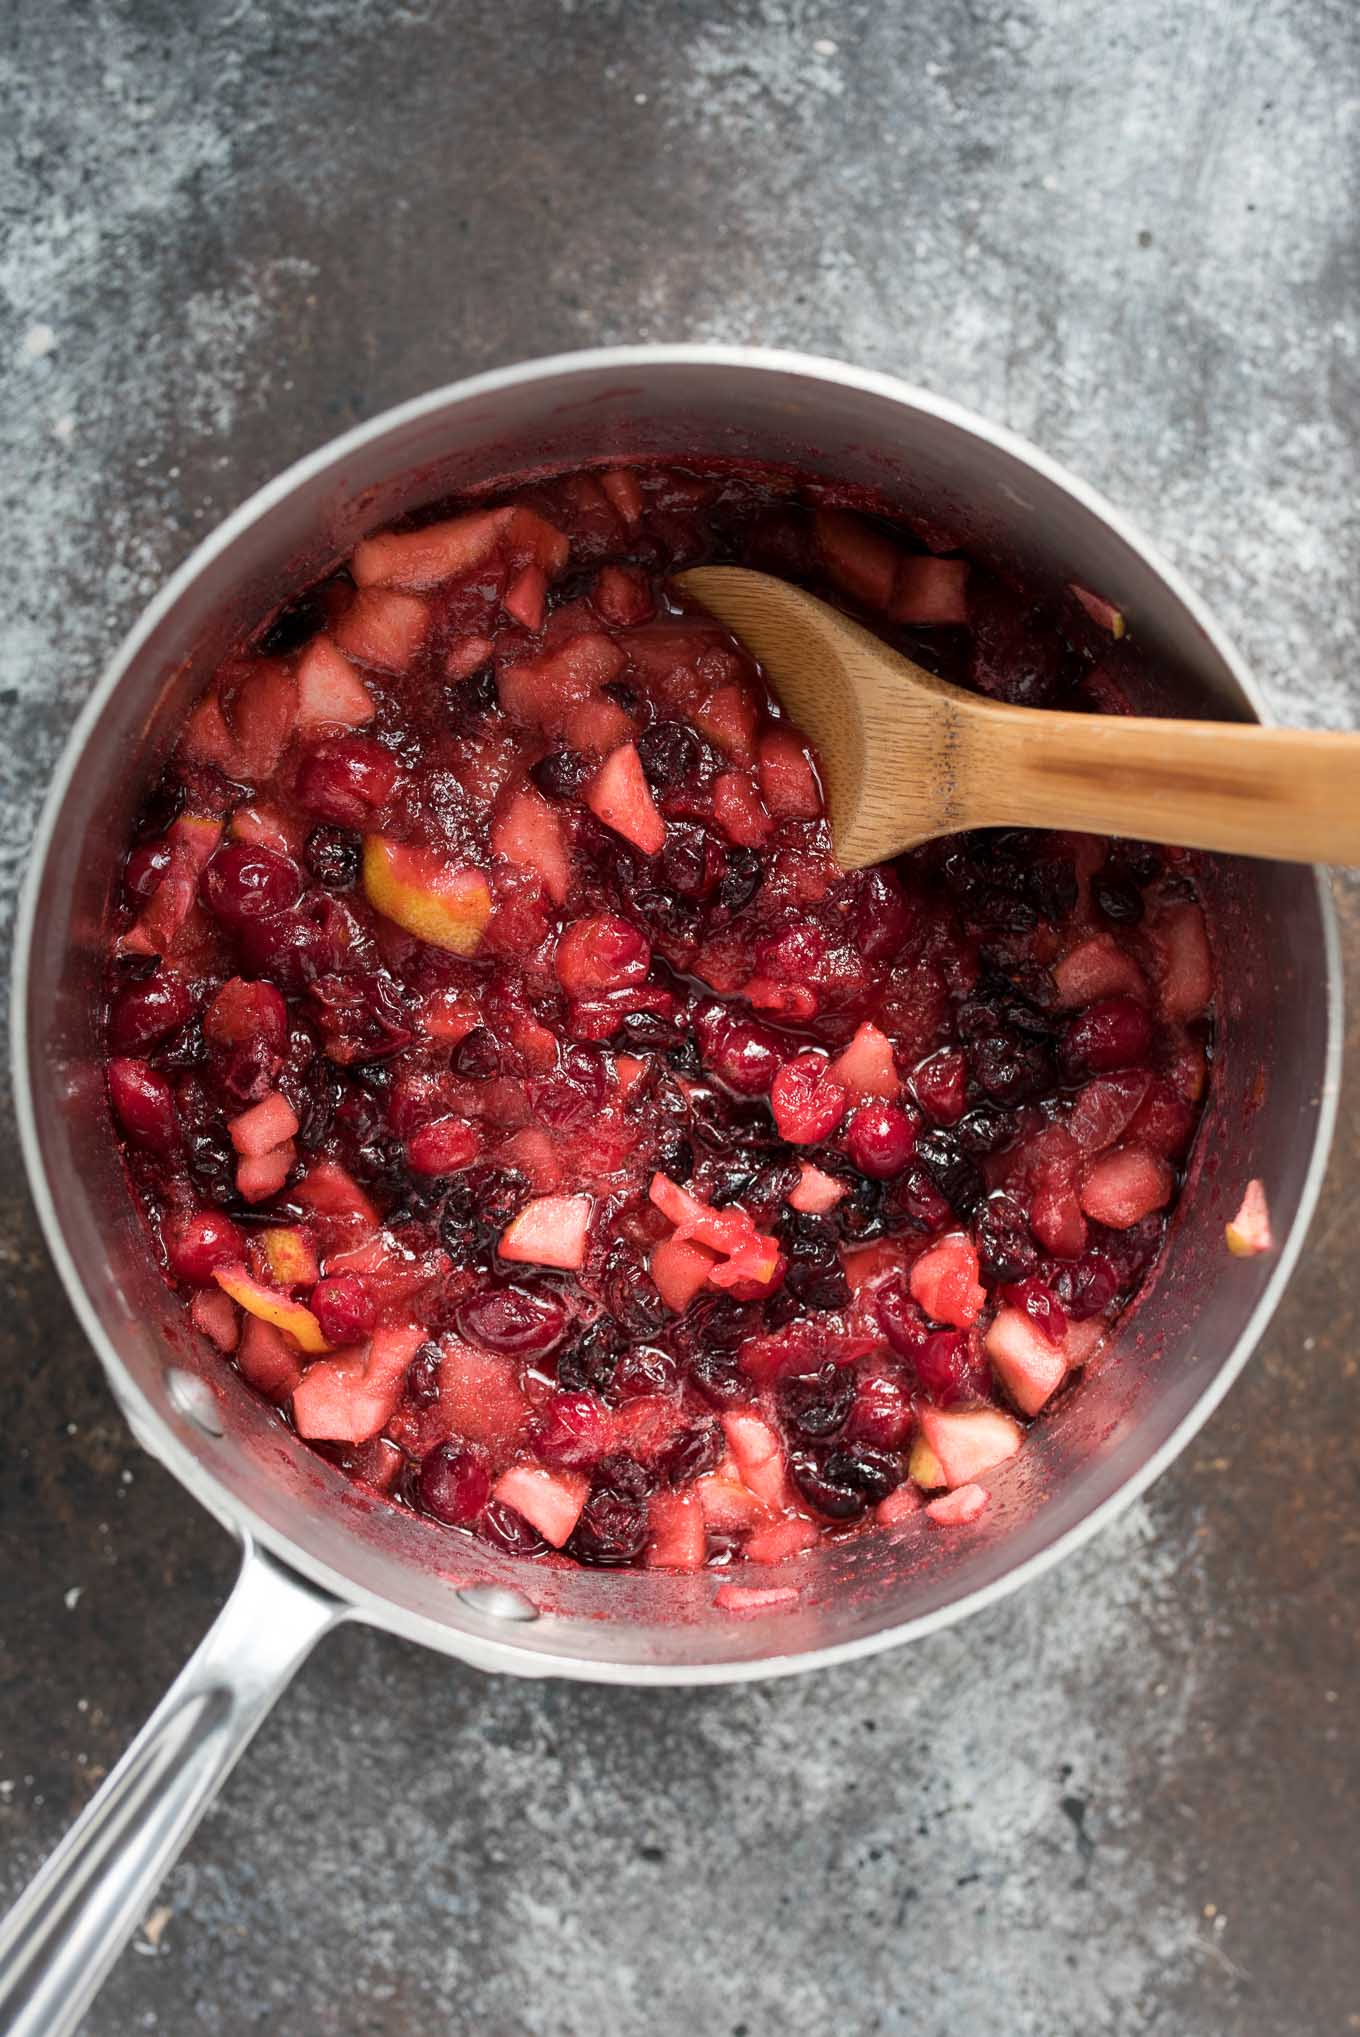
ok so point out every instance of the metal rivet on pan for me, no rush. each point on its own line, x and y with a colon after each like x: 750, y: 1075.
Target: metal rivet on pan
x: 194, y: 1399
x: 498, y: 1603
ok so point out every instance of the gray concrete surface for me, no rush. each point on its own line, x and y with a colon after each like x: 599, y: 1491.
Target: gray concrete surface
x: 1124, y: 1803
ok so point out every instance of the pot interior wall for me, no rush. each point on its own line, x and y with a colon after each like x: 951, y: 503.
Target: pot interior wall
x: 1263, y: 1116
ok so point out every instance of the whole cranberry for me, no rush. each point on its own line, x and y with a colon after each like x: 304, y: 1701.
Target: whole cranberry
x: 344, y: 1308
x: 882, y: 916
x: 611, y: 1530
x: 145, y: 867
x: 346, y: 780
x: 571, y: 1430
x: 880, y: 1139
x: 1116, y: 1032
x: 900, y: 1319
x: 144, y: 1104
x: 645, y: 1368
x: 807, y: 1100
x: 506, y: 1528
x: 147, y: 1011
x: 601, y: 953
x: 454, y: 1484
x: 243, y: 883
x: 946, y: 1367
x: 940, y: 1086
x: 296, y: 947
x: 743, y: 1054
x: 881, y: 1413
x: 1040, y: 1304
x: 516, y: 1321
x: 195, y: 1245
x: 692, y: 1452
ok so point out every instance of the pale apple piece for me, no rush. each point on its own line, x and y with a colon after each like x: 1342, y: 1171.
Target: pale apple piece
x: 265, y: 1126
x: 330, y: 692
x: 443, y: 903
x: 549, y: 1231
x: 758, y: 1453
x: 271, y: 1307
x: 754, y: 1598
x: 867, y: 1066
x: 550, y: 1501
x: 351, y: 1397
x: 816, y: 1193
x: 679, y: 1269
x: 417, y: 559
x: 679, y: 1538
x: 968, y: 1441
x: 212, y: 1312
x: 955, y: 1509
x: 1103, y: 613
x: 1029, y: 1367
x: 620, y: 796
x: 780, y: 1540
x: 1249, y: 1233
x: 923, y: 1466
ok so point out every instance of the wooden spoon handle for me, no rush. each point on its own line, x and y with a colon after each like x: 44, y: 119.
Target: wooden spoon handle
x: 1287, y: 793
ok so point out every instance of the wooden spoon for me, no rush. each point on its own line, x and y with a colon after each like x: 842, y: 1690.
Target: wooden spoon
x: 905, y: 756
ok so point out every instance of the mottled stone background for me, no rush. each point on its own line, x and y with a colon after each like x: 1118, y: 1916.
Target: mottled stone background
x: 1123, y: 1803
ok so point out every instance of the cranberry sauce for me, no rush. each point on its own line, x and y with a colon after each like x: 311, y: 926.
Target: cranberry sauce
x: 522, y: 1098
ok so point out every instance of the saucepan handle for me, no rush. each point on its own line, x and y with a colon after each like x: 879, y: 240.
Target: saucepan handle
x: 77, y: 1914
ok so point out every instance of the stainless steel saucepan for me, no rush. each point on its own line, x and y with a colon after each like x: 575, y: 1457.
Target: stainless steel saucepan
x: 317, y: 1551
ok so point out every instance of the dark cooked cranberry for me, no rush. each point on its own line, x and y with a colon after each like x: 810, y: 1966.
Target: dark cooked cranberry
x: 455, y: 1484
x: 1115, y: 1032
x: 478, y: 1053
x: 196, y: 1245
x: 422, y: 1377
x: 161, y: 808
x: 344, y: 1308
x: 145, y: 1012
x: 741, y: 880
x: 1006, y: 1251
x: 507, y: 1529
x: 611, y: 1530
x: 144, y: 1104
x: 628, y: 1292
x: 622, y: 695
x: 949, y: 1167
x: 940, y: 1086
x: 1051, y: 885
x: 570, y: 1430
x: 1017, y: 654
x: 292, y: 627
x: 864, y: 1469
x: 861, y: 1213
x: 816, y: 1406
x: 986, y: 1129
x: 900, y: 1319
x: 718, y: 1376
x: 691, y: 861
x: 1040, y: 1304
x: 670, y: 751
x: 346, y: 780
x: 882, y: 916
x: 944, y: 1366
x: 469, y: 702
x: 645, y: 1368
x: 1085, y: 1287
x: 590, y: 1360
x: 1118, y: 899
x: 519, y: 1321
x: 561, y: 774
x: 692, y: 1453
x: 145, y: 867
x: 879, y: 1139
x: 815, y: 1278
x: 575, y: 1093
x: 621, y: 1473
x: 1010, y: 1068
x: 332, y: 856
x: 481, y: 1201
x: 243, y: 882
x: 675, y: 1154
x: 362, y: 1018
x: 915, y: 1199
x: 1140, y: 862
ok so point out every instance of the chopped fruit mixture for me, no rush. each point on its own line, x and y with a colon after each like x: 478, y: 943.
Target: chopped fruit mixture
x: 525, y: 1102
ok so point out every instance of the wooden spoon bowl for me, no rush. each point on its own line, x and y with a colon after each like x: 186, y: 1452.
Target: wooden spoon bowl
x: 905, y: 756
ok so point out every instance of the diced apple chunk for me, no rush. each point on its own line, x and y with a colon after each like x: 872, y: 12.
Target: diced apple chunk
x: 264, y: 1126
x: 268, y: 1359
x: 780, y: 1540
x: 213, y: 1313
x: 550, y: 1501
x: 968, y: 1441
x: 620, y: 796
x: 1029, y: 1367
x: 679, y: 1269
x: 1249, y: 1233
x: 955, y: 1509
x: 944, y: 1281
x: 383, y: 629
x: 1103, y: 613
x: 758, y: 1453
x: 549, y: 1231
x: 330, y: 692
x: 930, y: 592
x: 1125, y: 1185
x: 350, y: 1398
x: 417, y: 559
x: 816, y: 1192
x: 679, y: 1537
x: 788, y: 784
x: 867, y: 1066
x: 529, y: 834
